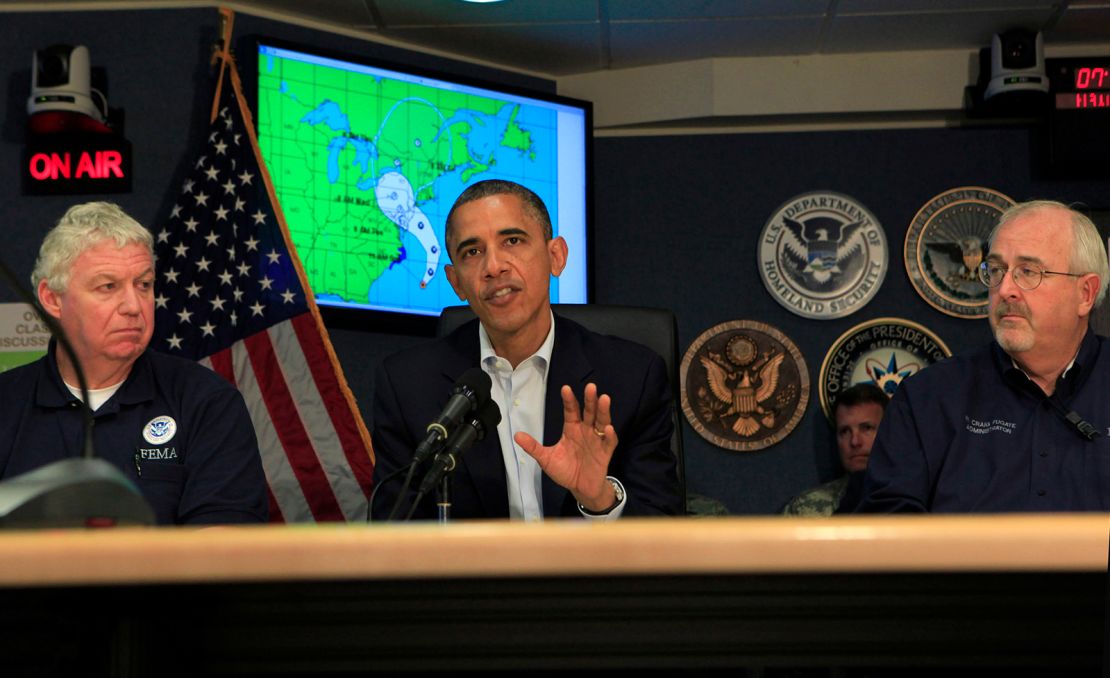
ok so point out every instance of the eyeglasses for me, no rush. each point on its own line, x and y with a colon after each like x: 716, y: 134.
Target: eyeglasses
x: 1026, y: 276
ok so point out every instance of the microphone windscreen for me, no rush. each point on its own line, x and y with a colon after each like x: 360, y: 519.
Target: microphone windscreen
x: 475, y: 381
x: 489, y: 414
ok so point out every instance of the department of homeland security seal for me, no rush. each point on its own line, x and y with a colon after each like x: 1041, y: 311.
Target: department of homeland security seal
x: 745, y: 385
x: 946, y: 242
x: 822, y: 255
x: 883, y: 351
x: 160, y: 430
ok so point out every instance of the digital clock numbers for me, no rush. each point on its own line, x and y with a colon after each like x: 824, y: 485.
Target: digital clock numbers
x: 1080, y: 83
x: 1078, y: 122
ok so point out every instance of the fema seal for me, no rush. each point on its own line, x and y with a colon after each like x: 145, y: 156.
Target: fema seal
x: 160, y: 430
x: 946, y: 242
x: 822, y: 255
x: 883, y: 352
x: 745, y: 385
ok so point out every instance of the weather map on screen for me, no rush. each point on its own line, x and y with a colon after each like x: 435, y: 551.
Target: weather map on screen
x: 367, y: 161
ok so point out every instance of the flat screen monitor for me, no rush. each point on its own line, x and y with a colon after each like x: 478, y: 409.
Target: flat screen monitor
x: 367, y: 159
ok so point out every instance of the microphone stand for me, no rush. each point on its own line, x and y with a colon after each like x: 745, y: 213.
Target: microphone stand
x: 443, y: 505
x: 446, y: 461
x: 443, y: 492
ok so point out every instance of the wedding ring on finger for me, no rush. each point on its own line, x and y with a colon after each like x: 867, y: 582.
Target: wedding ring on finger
x: 599, y: 433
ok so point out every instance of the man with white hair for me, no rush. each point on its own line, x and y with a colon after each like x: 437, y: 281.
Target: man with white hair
x: 180, y: 432
x: 1019, y: 424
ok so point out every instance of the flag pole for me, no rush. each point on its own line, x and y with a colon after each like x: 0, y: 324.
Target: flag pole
x: 222, y: 52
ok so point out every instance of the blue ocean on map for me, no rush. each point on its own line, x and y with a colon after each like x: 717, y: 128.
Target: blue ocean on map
x: 535, y: 168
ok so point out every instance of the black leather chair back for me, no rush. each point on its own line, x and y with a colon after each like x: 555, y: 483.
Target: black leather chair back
x: 655, y: 328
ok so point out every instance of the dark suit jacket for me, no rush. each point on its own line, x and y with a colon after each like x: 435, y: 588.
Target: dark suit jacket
x: 412, y: 386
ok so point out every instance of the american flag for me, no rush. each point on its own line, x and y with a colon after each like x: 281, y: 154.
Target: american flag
x: 230, y: 294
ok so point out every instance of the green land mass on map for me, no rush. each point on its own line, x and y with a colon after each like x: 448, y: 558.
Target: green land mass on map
x: 344, y: 239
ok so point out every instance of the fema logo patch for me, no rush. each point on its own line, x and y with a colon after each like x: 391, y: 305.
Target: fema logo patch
x: 160, y: 430
x: 883, y: 352
x: 822, y: 255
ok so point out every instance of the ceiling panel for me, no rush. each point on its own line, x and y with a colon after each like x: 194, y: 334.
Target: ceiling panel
x: 621, y: 10
x: 893, y: 32
x: 563, y: 37
x: 412, y: 13
x: 554, y: 49
x: 1089, y: 24
x: 944, y: 6
x: 338, y: 12
x: 640, y: 44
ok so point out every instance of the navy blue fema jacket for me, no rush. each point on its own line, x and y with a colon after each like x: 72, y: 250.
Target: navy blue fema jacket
x: 972, y: 434
x: 178, y: 430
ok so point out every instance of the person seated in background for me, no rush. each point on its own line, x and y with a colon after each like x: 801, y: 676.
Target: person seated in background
x: 606, y: 458
x: 179, y: 431
x: 856, y: 416
x: 1019, y: 424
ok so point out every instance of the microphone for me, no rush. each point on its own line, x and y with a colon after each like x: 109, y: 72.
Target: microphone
x: 486, y: 419
x: 76, y: 492
x: 471, y: 391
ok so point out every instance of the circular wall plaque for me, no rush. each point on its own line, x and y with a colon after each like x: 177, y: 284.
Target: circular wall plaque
x: 945, y: 243
x: 822, y: 255
x: 883, y: 351
x: 745, y: 385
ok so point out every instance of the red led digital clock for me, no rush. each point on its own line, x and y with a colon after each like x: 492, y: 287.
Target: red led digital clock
x: 1080, y: 83
x: 1078, y: 129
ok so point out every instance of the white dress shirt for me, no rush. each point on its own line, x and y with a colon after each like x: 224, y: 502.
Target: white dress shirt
x: 520, y: 394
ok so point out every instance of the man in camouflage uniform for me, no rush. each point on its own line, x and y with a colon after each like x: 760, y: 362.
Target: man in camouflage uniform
x: 857, y: 413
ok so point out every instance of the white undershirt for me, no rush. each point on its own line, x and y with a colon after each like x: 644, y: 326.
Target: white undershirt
x: 97, y: 396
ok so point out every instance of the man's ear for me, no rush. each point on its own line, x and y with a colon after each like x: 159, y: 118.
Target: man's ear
x: 557, y: 251
x: 50, y: 300
x: 454, y: 280
x: 1089, y: 286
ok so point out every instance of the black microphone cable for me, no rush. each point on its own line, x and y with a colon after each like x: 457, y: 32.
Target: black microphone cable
x: 63, y: 343
x: 374, y: 493
x: 1081, y: 426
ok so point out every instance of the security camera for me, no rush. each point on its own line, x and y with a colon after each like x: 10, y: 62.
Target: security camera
x: 61, y: 81
x: 1017, y: 64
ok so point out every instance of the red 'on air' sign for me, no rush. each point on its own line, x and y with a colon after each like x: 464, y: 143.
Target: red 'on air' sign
x: 69, y: 164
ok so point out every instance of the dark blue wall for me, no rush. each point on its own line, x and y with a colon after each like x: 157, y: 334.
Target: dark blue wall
x: 677, y: 217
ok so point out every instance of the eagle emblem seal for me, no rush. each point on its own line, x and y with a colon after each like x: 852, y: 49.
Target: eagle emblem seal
x: 744, y: 385
x: 822, y: 255
x: 946, y: 242
x: 160, y: 430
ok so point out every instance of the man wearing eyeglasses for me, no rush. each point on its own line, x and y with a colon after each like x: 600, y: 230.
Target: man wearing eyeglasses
x: 1019, y: 424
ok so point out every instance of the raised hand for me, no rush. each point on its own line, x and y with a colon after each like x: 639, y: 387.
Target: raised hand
x: 579, y: 461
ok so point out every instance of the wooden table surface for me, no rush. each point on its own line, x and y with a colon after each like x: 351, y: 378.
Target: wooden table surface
x: 764, y: 545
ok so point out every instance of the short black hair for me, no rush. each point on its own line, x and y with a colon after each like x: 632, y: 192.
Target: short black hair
x: 533, y: 204
x: 860, y: 394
